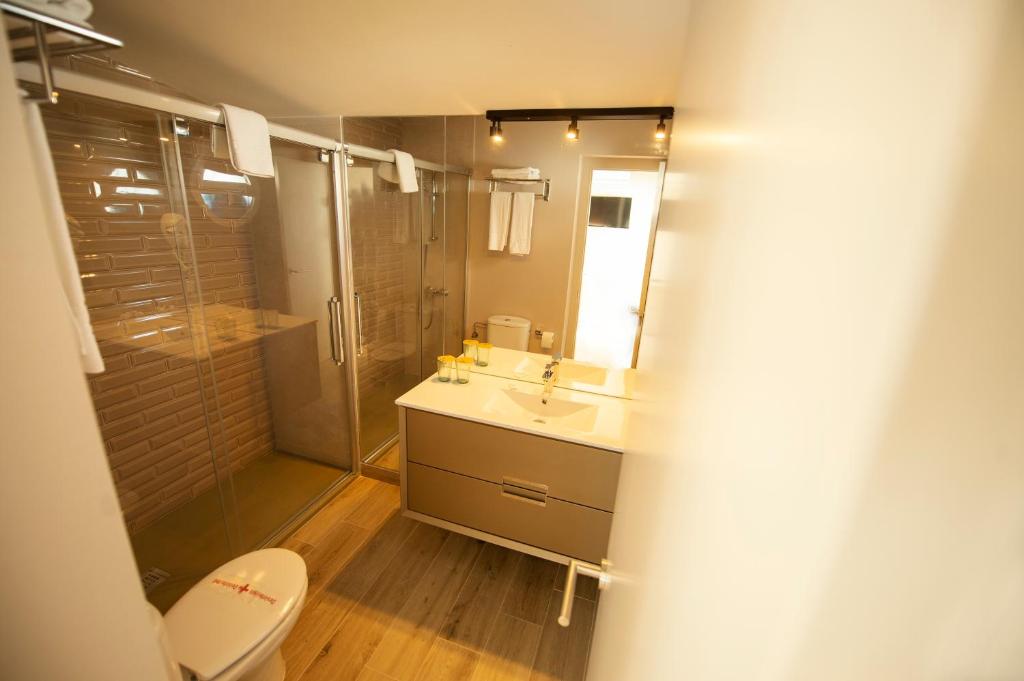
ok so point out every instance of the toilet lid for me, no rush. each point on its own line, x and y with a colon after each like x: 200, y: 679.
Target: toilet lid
x: 233, y: 608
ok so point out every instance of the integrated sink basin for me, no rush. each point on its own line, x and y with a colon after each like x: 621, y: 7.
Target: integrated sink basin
x: 572, y: 414
x: 515, y: 404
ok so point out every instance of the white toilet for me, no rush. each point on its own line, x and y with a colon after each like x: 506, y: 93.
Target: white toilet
x: 230, y: 626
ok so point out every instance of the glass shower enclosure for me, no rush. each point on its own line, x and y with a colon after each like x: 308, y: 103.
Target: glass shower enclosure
x: 217, y: 301
x: 408, y: 255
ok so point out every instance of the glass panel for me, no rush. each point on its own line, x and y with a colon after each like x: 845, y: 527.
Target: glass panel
x: 266, y: 249
x: 386, y: 252
x: 459, y: 152
x: 456, y: 229
x: 117, y: 167
x: 432, y: 217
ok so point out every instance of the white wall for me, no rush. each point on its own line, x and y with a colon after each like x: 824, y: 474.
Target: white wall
x: 827, y: 479
x: 70, y: 595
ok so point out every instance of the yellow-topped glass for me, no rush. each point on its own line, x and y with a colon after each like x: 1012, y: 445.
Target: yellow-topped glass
x: 463, y: 367
x: 483, y: 354
x: 469, y: 347
x: 445, y: 368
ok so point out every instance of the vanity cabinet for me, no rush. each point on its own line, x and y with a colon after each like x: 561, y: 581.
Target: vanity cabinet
x: 537, y: 494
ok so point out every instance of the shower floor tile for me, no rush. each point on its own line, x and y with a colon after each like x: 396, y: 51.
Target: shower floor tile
x: 191, y: 541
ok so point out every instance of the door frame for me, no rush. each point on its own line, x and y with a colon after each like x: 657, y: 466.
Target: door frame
x: 588, y: 164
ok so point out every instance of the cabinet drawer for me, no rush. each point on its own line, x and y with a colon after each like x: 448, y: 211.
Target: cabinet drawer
x: 570, y: 472
x: 559, y: 526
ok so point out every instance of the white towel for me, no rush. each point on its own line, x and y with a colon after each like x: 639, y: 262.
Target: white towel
x: 406, y: 167
x: 76, y: 11
x: 521, y: 230
x: 516, y: 173
x: 501, y: 210
x: 63, y: 253
x: 248, y: 141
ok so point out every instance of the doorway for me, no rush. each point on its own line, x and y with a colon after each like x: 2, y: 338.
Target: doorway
x: 616, y: 222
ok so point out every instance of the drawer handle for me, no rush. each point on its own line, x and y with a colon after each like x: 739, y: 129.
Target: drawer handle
x: 522, y: 490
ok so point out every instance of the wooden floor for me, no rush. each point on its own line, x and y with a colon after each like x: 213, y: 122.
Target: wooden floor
x: 392, y: 599
x: 389, y: 459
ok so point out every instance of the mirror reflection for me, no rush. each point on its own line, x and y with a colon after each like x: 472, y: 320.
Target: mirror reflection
x: 533, y: 246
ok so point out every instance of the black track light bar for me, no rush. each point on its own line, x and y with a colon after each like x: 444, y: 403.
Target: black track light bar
x: 605, y: 114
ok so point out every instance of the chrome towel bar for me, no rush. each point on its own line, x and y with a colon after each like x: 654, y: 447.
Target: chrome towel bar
x: 573, y: 570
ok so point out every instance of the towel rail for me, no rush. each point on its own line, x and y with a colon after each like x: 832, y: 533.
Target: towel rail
x: 544, y: 193
x: 22, y: 23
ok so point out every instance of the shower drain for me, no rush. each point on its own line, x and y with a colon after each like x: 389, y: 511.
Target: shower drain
x: 152, y: 578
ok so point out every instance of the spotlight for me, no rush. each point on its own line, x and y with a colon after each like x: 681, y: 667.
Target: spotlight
x: 659, y: 132
x: 496, y: 135
x: 573, y: 133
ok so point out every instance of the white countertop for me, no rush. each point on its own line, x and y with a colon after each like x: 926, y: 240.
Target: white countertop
x: 581, y: 417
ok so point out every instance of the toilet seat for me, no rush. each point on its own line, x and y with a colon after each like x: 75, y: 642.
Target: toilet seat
x: 238, y: 614
x: 271, y: 645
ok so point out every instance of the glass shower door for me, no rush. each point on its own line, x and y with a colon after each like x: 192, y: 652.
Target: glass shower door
x: 118, y: 169
x: 268, y: 269
x: 384, y: 225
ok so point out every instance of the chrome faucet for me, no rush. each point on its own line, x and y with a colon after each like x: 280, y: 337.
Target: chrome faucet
x: 550, y: 376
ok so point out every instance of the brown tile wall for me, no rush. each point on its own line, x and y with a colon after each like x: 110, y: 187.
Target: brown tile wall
x: 149, y: 401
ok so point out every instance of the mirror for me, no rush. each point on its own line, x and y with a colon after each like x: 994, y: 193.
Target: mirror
x: 574, y: 375
x: 563, y: 250
x: 582, y: 286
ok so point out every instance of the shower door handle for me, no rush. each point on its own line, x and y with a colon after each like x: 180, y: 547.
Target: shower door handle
x: 334, y: 327
x: 359, y: 324
x: 433, y: 208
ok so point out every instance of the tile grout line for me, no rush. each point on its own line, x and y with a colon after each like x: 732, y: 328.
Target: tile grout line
x: 411, y: 592
x: 540, y: 640
x: 462, y: 588
x: 333, y: 633
x: 362, y: 598
x: 504, y: 599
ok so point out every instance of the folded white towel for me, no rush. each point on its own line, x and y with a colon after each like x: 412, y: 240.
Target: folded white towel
x: 248, y: 141
x: 516, y: 173
x: 521, y: 230
x: 405, y: 164
x: 501, y: 210
x: 76, y: 11
x: 63, y: 253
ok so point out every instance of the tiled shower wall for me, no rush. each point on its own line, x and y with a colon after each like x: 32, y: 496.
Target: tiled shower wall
x: 148, y: 401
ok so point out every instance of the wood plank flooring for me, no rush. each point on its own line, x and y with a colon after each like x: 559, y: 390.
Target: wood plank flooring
x: 392, y: 599
x: 389, y: 459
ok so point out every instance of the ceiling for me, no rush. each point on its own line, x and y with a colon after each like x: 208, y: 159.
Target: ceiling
x: 330, y: 57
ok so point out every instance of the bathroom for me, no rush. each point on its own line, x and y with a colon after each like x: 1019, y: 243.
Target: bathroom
x: 585, y: 341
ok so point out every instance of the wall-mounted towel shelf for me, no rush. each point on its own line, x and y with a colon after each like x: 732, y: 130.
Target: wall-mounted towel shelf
x: 35, y: 35
x: 544, y: 193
